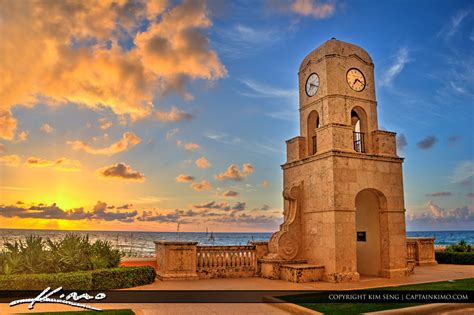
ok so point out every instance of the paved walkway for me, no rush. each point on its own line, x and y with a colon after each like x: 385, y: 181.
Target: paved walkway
x: 421, y: 275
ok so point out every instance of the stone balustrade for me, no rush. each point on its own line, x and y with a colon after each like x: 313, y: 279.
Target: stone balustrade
x: 421, y: 250
x: 186, y: 260
x: 226, y: 261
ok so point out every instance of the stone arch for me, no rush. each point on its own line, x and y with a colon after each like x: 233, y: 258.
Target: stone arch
x: 312, y: 123
x: 369, y: 204
x: 359, y: 125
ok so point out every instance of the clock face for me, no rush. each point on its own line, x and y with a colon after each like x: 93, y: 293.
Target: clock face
x: 312, y: 84
x: 356, y: 79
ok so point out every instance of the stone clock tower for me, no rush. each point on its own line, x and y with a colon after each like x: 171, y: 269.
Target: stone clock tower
x: 343, y: 187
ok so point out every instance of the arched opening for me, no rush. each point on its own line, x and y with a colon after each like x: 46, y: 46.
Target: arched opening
x: 311, y: 125
x: 359, y: 128
x: 368, y: 203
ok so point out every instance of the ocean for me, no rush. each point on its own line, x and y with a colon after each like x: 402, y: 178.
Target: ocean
x: 141, y: 244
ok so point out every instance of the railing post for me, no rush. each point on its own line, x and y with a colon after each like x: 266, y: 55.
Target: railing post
x: 176, y: 260
x: 422, y: 250
x: 315, y: 145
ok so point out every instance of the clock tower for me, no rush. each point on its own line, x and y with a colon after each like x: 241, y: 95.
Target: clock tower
x: 343, y: 185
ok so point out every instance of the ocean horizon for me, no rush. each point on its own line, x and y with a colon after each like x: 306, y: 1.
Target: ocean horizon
x: 141, y: 243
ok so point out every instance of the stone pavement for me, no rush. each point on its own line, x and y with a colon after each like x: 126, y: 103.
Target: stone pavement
x: 421, y: 275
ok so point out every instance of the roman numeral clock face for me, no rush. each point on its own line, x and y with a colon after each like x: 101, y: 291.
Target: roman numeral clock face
x: 356, y: 79
x: 312, y: 84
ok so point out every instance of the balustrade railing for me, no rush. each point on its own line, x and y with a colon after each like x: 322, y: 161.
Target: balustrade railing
x: 359, y: 143
x: 226, y: 261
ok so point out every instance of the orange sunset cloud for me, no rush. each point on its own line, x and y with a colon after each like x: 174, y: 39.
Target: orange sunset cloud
x: 68, y: 52
x: 129, y: 140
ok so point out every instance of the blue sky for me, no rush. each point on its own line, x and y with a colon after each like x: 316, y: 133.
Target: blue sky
x: 243, y: 107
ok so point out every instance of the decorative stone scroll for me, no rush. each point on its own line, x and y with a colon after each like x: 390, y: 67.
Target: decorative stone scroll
x: 284, y: 244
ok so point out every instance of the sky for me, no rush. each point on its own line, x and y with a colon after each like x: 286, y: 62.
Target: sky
x: 129, y: 115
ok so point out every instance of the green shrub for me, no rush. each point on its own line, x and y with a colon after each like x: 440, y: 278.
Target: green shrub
x: 460, y: 258
x: 103, y: 255
x: 124, y: 277
x: 71, y: 253
x: 80, y: 280
x: 114, y: 278
x: 461, y: 247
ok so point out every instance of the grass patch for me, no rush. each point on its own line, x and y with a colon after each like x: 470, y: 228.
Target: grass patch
x: 104, y: 312
x: 357, y: 308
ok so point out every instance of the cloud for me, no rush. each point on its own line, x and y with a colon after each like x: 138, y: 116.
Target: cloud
x: 121, y: 171
x: 271, y: 222
x: 52, y: 211
x: 173, y: 115
x: 222, y: 206
x: 100, y: 54
x: 150, y: 199
x: 454, y: 24
x: 401, y: 59
x: 470, y: 195
x: 181, y: 216
x: 240, y: 41
x: 99, y: 213
x: 230, y: 193
x: 233, y: 172
x: 104, y: 124
x: 170, y: 134
x: 440, y: 194
x: 125, y: 206
x: 7, y: 124
x: 453, y: 139
x: 10, y: 160
x: 463, y: 173
x: 13, y: 188
x: 239, y: 206
x: 202, y: 162
x: 435, y: 214
x: 188, y: 146
x: 66, y: 165
x: 183, y: 178
x: 401, y: 142
x: 148, y: 216
x: 35, y: 161
x: 200, y: 186
x: 263, y: 90
x: 174, y: 44
x: 2, y: 147
x: 222, y: 138
x: 62, y: 164
x: 265, y: 184
x: 46, y: 128
x: 313, y: 8
x: 22, y: 136
x: 128, y: 141
x: 427, y: 143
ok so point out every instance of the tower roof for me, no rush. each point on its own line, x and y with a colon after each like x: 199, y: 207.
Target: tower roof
x: 336, y: 47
